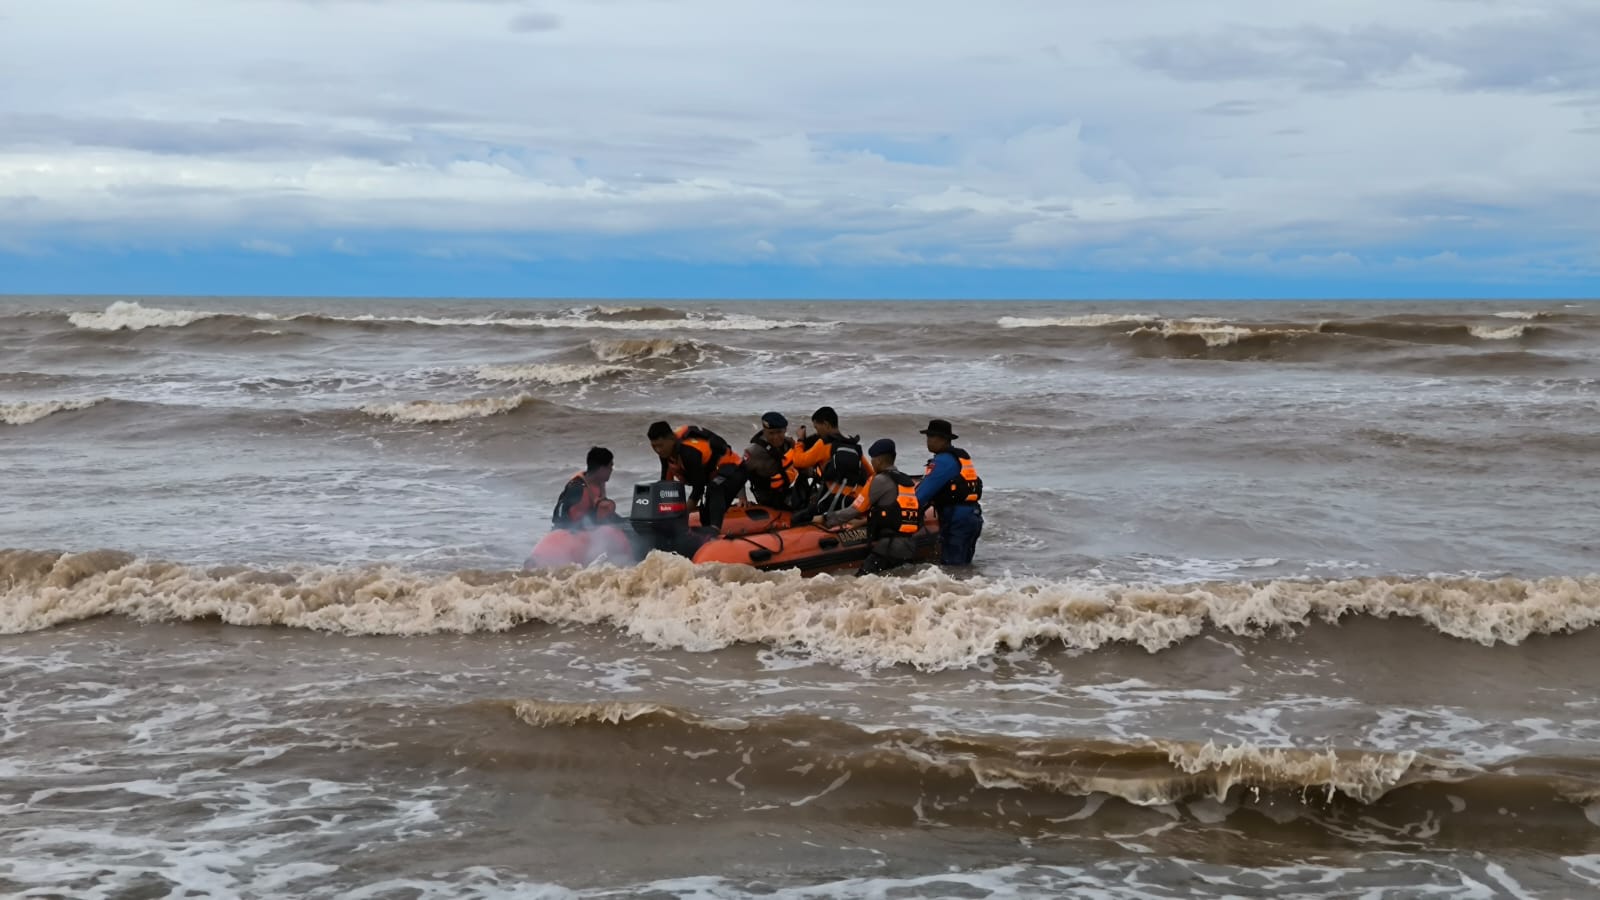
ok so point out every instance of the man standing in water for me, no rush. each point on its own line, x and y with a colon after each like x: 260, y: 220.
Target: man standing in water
x: 952, y: 487
x: 890, y: 510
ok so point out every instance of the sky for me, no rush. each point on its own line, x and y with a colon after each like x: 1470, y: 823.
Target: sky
x: 744, y: 148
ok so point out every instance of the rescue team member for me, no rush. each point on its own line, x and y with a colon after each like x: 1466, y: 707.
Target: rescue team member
x: 701, y: 459
x: 837, y: 460
x: 774, y: 481
x: 952, y: 487
x: 583, y: 502
x: 889, y: 508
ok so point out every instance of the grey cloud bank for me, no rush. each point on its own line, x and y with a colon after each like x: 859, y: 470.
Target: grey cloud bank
x: 1036, y: 134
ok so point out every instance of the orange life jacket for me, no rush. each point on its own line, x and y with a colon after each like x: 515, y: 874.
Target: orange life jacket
x: 839, y: 463
x: 573, y: 511
x: 966, y: 487
x: 700, y: 454
x: 904, y: 517
x: 787, y: 474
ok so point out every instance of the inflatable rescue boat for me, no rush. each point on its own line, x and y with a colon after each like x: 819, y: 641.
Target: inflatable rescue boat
x: 659, y: 518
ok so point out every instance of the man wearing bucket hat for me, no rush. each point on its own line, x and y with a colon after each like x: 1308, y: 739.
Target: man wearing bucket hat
x: 952, y: 487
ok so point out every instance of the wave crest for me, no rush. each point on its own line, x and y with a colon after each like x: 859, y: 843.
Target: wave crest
x: 930, y: 620
x: 547, y: 373
x: 790, y: 750
x: 29, y: 411
x: 130, y: 315
x: 417, y: 412
x: 636, y: 349
x: 1093, y: 320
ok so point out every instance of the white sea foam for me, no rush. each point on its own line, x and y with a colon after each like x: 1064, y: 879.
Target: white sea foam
x: 1093, y: 320
x: 128, y: 315
x: 434, y: 411
x: 547, y: 373
x: 29, y: 411
x: 930, y: 620
x: 1497, y: 333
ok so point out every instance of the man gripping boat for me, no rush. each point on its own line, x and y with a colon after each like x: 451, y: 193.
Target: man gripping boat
x: 808, y: 511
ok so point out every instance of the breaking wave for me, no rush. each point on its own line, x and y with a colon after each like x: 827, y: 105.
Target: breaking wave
x: 929, y: 620
x: 1202, y: 337
x: 417, y: 412
x: 636, y: 313
x: 805, y: 751
x: 149, y: 416
x: 1216, y: 333
x: 29, y: 411
x: 548, y: 373
x: 1093, y: 320
x: 35, y: 380
x: 636, y: 349
x: 129, y: 315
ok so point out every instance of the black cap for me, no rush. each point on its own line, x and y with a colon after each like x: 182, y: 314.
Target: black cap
x: 939, y: 428
x: 658, y: 430
x: 774, y: 420
x: 881, y: 447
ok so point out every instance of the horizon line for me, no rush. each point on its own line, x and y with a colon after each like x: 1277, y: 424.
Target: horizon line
x: 662, y: 298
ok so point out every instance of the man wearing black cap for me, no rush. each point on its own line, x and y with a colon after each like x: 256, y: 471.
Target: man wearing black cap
x: 952, y: 487
x: 774, y: 481
x: 890, y: 510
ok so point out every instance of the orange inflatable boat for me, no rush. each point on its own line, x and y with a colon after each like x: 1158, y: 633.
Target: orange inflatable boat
x: 753, y: 535
x: 809, y: 548
x: 766, y: 538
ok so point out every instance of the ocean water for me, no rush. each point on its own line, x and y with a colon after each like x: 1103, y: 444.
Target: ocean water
x: 1272, y: 600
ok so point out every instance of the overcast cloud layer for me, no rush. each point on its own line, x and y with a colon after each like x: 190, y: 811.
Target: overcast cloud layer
x: 1395, y: 137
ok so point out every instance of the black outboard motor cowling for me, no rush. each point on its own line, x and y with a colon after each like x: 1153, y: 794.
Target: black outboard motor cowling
x: 660, y: 518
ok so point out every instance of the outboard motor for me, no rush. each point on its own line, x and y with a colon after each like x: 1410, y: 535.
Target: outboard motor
x: 660, y: 518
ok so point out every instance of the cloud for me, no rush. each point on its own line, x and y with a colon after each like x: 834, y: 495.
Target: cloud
x: 399, y: 2
x: 534, y: 21
x: 223, y: 137
x: 1550, y: 51
x: 800, y: 133
x: 270, y: 248
x: 1314, y: 57
x: 1233, y: 108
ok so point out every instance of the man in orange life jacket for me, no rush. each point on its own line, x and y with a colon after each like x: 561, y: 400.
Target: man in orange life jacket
x: 890, y: 510
x: 838, y: 462
x: 701, y: 459
x: 583, y: 502
x: 952, y: 487
x: 774, y: 481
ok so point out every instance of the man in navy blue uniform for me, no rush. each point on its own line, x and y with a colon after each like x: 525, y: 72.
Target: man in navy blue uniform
x: 952, y: 487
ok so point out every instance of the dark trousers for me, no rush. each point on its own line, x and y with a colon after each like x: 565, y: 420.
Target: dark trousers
x: 818, y: 506
x: 719, y: 494
x: 959, y: 527
x: 877, y: 562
